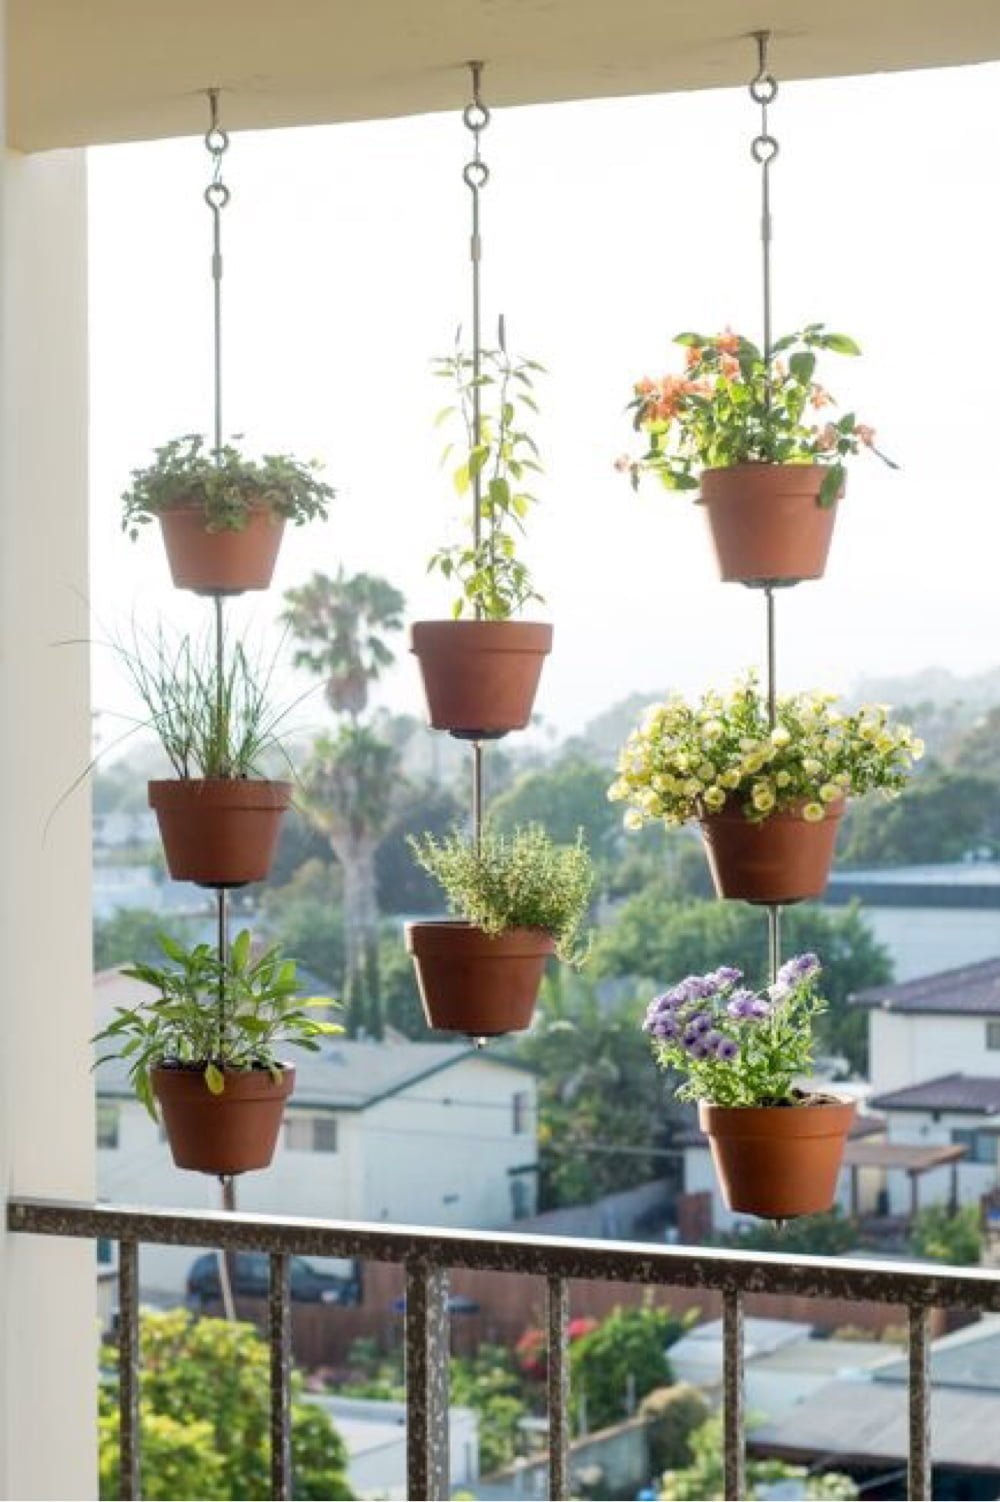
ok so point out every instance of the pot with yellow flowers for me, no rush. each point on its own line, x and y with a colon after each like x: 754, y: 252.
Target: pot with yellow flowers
x: 764, y: 443
x: 768, y: 798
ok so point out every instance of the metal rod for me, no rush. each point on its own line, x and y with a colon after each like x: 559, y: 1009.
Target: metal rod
x: 427, y: 1356
x: 129, y: 1483
x: 477, y: 793
x: 280, y: 1321
x: 557, y: 1321
x: 920, y: 1476
x: 773, y: 941
x: 772, y: 656
x: 227, y: 1258
x: 734, y: 1458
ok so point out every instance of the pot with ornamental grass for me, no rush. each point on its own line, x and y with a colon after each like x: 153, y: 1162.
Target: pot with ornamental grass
x: 222, y: 515
x: 768, y: 800
x: 748, y: 434
x: 481, y: 669
x: 518, y: 900
x: 203, y: 1051
x: 777, y: 1148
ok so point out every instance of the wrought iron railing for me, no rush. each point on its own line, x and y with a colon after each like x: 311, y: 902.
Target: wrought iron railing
x: 427, y: 1255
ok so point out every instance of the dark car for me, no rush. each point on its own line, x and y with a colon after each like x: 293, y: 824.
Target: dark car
x: 252, y: 1275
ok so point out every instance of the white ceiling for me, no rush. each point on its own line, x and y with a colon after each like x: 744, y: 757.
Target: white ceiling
x: 88, y: 71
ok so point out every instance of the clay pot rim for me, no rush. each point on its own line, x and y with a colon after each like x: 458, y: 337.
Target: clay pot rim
x: 253, y: 508
x: 206, y: 785
x: 194, y: 1066
x: 804, y: 1120
x: 442, y: 625
x: 756, y: 465
x: 791, y: 815
x: 541, y: 940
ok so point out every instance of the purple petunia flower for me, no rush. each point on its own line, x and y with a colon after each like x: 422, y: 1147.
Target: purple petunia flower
x: 727, y: 1051
x: 665, y: 1028
x: 800, y: 968
x: 698, y: 1050
x: 740, y: 1005
x: 701, y: 1023
x: 727, y: 975
x: 760, y: 1009
x: 712, y: 1040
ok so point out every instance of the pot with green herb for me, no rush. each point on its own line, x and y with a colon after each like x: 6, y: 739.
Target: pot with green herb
x: 204, y: 1051
x: 518, y: 899
x: 481, y: 669
x: 222, y: 514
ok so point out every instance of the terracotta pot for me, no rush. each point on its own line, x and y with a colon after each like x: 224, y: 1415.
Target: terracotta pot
x: 783, y: 859
x: 234, y: 1132
x: 777, y: 1161
x: 480, y: 677
x: 766, y: 522
x: 471, y: 983
x: 219, y: 832
x: 220, y: 563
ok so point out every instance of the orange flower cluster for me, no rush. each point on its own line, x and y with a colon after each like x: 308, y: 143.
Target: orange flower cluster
x: 662, y: 399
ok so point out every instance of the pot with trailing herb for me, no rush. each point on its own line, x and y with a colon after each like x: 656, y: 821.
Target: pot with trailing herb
x: 222, y: 514
x: 203, y: 1051
x: 749, y: 436
x: 481, y: 669
x: 518, y: 899
x: 777, y: 1148
x: 220, y: 816
x: 768, y: 800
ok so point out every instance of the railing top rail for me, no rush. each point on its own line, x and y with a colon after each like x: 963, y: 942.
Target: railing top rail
x: 906, y: 1283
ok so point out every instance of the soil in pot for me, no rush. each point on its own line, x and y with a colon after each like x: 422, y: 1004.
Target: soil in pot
x: 784, y: 858
x: 778, y: 1161
x: 221, y: 563
x: 474, y: 984
x: 219, y: 832
x: 480, y: 677
x: 766, y: 522
x: 234, y: 1132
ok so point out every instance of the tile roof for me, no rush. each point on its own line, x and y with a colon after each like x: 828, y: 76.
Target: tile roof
x: 971, y: 989
x: 977, y: 1094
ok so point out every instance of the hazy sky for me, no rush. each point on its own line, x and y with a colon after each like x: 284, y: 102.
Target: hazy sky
x: 608, y: 227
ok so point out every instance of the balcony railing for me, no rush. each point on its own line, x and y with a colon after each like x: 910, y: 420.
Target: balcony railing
x: 427, y: 1256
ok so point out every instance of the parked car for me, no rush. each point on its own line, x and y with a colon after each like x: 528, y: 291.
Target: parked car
x: 252, y: 1275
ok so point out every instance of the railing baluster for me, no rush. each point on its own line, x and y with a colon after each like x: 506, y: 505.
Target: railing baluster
x: 919, y: 1489
x: 427, y: 1357
x: 557, y: 1321
x: 734, y: 1458
x: 280, y: 1321
x: 129, y: 1483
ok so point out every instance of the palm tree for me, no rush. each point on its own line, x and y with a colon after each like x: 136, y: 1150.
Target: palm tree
x: 340, y: 625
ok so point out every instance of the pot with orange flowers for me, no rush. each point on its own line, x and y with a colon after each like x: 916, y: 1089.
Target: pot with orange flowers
x: 481, y: 668
x: 745, y: 1056
x: 750, y: 434
x: 768, y: 797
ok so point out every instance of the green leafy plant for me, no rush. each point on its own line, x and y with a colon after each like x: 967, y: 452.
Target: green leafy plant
x: 828, y: 1235
x: 624, y: 1359
x: 703, y: 1481
x: 493, y: 582
x: 214, y: 1014
x: 225, y: 483
x: 732, y: 406
x: 954, y: 1237
x: 520, y: 880
x: 685, y: 761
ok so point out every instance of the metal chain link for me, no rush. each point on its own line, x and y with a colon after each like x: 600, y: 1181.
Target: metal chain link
x: 217, y: 196
x: 764, y: 149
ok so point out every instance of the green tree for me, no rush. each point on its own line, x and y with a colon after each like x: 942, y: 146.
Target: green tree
x: 132, y: 933
x: 305, y: 916
x: 490, y: 1384
x: 614, y: 1367
x: 829, y: 1235
x: 702, y: 1480
x: 672, y: 1415
x: 954, y: 1237
x: 403, y: 887
x: 943, y: 816
x: 340, y: 625
x: 205, y: 1416
x: 566, y: 797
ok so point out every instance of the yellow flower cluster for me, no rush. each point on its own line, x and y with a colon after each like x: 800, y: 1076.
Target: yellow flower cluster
x: 688, y: 761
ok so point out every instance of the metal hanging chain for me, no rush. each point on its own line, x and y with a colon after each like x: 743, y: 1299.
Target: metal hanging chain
x: 764, y: 149
x: 217, y: 197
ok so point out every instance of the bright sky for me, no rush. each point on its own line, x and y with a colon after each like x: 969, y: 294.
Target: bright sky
x: 608, y: 227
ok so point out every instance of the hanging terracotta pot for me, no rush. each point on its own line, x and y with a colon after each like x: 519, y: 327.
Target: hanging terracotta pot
x: 766, y: 521
x: 219, y: 832
x: 480, y: 677
x: 778, y: 1161
x: 474, y: 984
x: 221, y: 563
x: 233, y: 1132
x: 784, y: 858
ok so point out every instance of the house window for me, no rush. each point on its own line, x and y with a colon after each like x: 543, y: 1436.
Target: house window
x: 993, y: 1035
x: 982, y: 1146
x: 107, y: 1125
x: 311, y: 1134
x: 521, y: 1103
x: 520, y: 1199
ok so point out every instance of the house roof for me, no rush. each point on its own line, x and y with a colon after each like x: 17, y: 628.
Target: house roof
x: 967, y: 1358
x: 978, y: 1095
x: 969, y: 990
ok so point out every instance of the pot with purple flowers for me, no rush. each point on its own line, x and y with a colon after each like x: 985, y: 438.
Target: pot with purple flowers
x: 744, y: 1056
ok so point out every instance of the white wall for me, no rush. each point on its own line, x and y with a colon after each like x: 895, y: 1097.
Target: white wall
x: 919, y: 1128
x: 906, y: 1050
x: 925, y: 940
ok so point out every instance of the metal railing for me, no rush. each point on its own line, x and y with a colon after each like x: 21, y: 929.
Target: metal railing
x: 427, y: 1255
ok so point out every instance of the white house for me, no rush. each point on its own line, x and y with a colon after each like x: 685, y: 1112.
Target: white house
x: 374, y: 1433
x: 410, y: 1133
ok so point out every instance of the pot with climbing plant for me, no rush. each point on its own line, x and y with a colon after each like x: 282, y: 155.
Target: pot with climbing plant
x: 768, y: 799
x: 203, y: 1051
x: 747, y: 433
x: 745, y: 1057
x: 519, y: 899
x: 222, y: 514
x: 481, y: 669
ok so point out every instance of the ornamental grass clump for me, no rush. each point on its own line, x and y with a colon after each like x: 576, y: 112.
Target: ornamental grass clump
x: 689, y: 761
x: 737, y: 1046
x: 520, y: 880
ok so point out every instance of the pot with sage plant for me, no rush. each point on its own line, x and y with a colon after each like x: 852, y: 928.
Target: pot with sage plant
x: 203, y: 1051
x: 481, y: 669
x: 519, y: 899
x: 768, y: 799
x: 747, y: 433
x: 744, y: 1057
x: 222, y: 514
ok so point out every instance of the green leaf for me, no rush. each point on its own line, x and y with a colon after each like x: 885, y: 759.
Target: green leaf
x: 802, y: 364
x: 832, y: 482
x: 841, y: 344
x: 214, y: 1079
x: 461, y: 479
x: 691, y: 341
